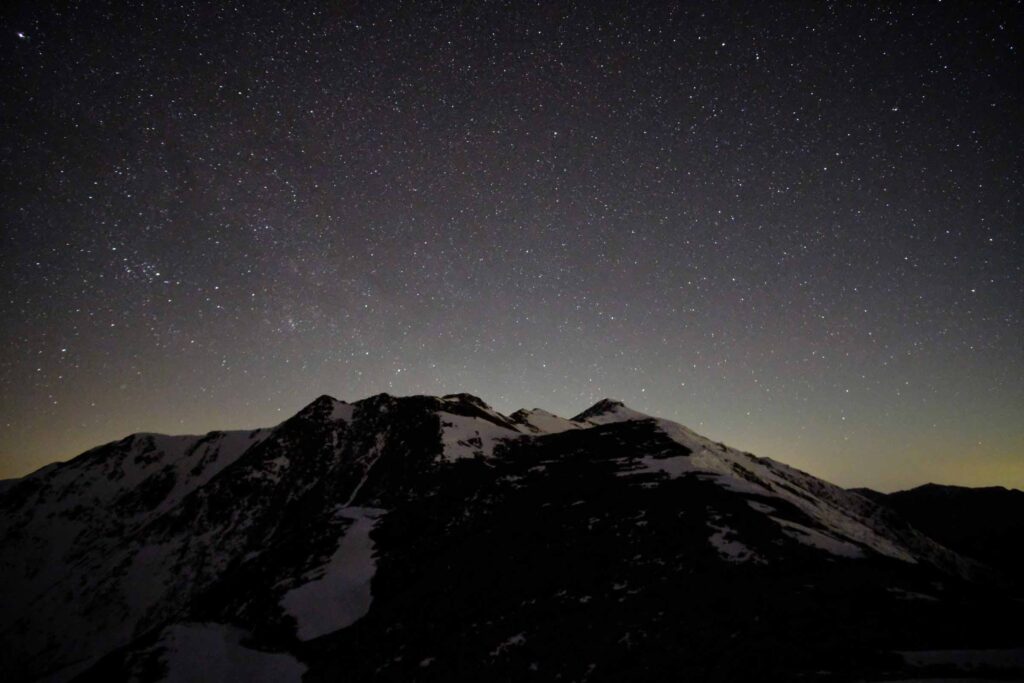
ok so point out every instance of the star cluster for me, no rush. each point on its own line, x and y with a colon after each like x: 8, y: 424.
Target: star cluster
x: 793, y: 227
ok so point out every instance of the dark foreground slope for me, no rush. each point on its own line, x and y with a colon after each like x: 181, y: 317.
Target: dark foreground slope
x: 425, y: 538
x: 983, y: 523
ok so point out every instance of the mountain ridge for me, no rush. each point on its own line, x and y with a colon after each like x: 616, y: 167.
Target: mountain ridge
x: 259, y: 529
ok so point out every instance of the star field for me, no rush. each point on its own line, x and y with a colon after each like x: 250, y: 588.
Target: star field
x: 795, y: 228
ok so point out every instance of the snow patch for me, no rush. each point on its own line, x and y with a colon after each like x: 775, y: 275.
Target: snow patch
x: 198, y: 653
x: 514, y: 641
x: 818, y: 539
x: 469, y: 437
x: 340, y: 595
x: 675, y: 466
x: 725, y: 541
x: 273, y: 469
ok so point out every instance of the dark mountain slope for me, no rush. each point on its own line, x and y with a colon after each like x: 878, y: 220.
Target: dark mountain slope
x: 986, y: 524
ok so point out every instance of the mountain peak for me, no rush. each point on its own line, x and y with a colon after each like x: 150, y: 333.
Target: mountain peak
x: 609, y: 410
x: 327, y: 407
x: 467, y: 398
x: 323, y: 400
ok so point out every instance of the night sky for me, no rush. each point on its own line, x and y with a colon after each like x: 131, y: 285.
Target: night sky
x: 795, y: 228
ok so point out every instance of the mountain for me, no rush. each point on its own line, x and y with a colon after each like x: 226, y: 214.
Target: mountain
x: 433, y: 538
x: 986, y: 524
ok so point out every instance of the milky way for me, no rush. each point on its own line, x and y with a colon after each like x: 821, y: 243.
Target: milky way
x: 793, y: 228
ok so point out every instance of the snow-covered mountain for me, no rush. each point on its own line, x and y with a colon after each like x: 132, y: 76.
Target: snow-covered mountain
x: 433, y: 537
